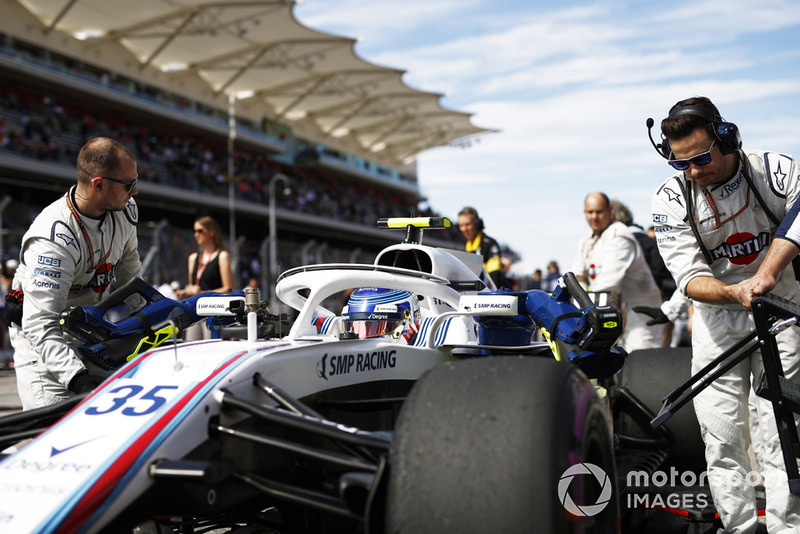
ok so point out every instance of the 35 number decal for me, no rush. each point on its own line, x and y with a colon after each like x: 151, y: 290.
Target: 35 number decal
x: 132, y: 394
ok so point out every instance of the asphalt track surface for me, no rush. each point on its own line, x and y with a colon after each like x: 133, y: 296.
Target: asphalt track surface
x: 9, y: 400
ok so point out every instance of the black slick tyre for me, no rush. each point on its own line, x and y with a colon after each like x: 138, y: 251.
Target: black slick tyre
x: 650, y: 375
x: 482, y: 445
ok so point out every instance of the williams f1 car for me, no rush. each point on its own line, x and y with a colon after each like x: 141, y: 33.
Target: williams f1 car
x: 400, y: 396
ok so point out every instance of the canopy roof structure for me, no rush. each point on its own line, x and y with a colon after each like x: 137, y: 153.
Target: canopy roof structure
x: 258, y: 50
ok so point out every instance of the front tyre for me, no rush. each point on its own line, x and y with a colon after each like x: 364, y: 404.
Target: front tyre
x: 482, y: 445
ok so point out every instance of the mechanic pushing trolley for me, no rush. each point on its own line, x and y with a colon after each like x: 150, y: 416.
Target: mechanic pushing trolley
x: 714, y: 220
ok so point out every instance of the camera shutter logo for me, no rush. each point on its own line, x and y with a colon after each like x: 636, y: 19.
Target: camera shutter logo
x: 582, y: 509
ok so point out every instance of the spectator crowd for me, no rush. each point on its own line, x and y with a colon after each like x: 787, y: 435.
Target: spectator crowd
x: 39, y: 127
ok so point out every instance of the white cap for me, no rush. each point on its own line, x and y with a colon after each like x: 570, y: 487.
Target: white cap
x: 12, y: 264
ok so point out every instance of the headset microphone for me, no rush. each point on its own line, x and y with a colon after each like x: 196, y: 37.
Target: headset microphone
x: 659, y: 147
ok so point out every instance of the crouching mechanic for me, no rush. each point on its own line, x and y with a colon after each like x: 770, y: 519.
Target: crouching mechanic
x: 72, y: 252
x: 714, y: 219
x: 378, y: 312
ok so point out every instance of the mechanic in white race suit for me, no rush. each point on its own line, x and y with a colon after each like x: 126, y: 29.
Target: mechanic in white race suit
x: 69, y: 256
x: 713, y: 222
x: 610, y: 259
x: 785, y: 248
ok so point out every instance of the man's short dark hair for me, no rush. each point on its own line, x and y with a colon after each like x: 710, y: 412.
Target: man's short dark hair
x: 682, y: 125
x: 101, y: 157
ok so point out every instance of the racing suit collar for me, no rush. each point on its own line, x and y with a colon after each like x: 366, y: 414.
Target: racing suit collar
x: 740, y: 170
x: 72, y: 193
x: 475, y: 244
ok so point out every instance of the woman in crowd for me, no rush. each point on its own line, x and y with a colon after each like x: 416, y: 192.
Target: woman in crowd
x: 209, y: 269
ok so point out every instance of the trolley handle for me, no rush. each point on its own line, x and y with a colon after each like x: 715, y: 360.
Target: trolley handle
x: 133, y: 287
x: 576, y: 290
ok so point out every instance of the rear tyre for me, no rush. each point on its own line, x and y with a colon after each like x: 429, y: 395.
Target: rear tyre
x: 651, y: 375
x: 483, y: 446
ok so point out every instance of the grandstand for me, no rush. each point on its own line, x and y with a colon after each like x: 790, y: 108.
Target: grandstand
x: 202, y: 92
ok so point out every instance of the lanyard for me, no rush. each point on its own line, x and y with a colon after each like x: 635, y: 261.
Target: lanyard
x: 201, y: 265
x: 687, y: 192
x: 92, y: 265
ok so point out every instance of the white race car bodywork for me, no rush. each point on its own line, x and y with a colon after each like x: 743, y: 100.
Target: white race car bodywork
x: 87, y: 467
x: 84, y: 470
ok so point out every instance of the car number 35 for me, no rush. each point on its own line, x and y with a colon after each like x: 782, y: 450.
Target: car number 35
x: 132, y: 399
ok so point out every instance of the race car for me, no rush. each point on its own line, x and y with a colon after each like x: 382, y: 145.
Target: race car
x: 398, y: 396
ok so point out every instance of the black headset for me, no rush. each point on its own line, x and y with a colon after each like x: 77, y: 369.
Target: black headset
x: 729, y: 141
x: 728, y: 137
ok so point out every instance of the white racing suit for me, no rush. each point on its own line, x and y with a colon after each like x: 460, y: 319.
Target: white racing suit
x: 58, y: 270
x: 615, y: 262
x: 735, y: 231
x: 790, y: 227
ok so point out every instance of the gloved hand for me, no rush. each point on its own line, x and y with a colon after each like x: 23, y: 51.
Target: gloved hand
x: 13, y: 310
x: 83, y: 382
x: 657, y: 315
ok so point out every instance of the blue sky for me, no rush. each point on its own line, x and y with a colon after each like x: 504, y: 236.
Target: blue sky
x: 569, y: 85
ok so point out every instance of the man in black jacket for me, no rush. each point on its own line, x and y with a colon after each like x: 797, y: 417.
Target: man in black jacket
x: 471, y: 227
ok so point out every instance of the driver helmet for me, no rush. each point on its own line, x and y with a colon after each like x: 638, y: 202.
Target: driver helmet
x: 377, y: 311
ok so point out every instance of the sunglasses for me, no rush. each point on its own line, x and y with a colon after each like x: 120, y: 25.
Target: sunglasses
x: 199, y: 230
x: 128, y: 184
x: 700, y: 160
